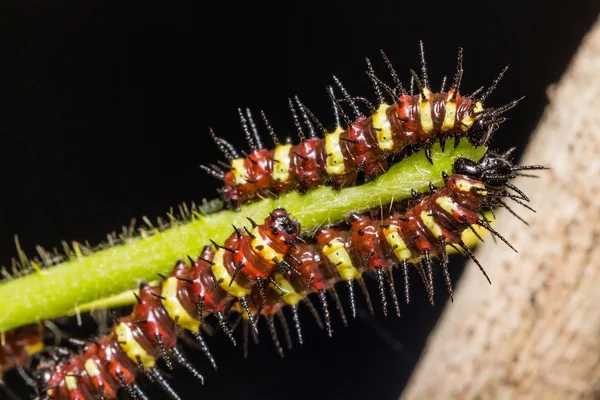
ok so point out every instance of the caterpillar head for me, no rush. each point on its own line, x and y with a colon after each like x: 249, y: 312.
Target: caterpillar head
x: 494, y: 170
x: 281, y: 228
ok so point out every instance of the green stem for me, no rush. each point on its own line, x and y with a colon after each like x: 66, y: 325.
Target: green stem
x: 55, y: 291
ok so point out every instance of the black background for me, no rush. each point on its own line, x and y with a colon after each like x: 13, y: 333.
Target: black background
x: 105, y: 115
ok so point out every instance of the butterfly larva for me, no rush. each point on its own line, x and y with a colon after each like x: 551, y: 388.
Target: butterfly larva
x: 365, y: 145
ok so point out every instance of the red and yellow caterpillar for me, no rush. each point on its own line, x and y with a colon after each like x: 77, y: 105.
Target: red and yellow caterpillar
x: 258, y: 271
x: 364, y: 146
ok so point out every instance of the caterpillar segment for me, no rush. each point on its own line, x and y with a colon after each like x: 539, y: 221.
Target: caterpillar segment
x: 248, y: 261
x: 357, y: 147
x: 315, y: 274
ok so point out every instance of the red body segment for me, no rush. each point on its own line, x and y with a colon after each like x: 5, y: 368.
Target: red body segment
x: 314, y: 273
x: 368, y: 243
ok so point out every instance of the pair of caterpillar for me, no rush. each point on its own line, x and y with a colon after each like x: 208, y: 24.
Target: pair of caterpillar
x: 364, y: 146
x: 260, y: 270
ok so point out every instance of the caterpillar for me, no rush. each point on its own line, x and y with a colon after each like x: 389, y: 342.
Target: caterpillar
x: 17, y: 346
x: 258, y: 271
x: 364, y: 146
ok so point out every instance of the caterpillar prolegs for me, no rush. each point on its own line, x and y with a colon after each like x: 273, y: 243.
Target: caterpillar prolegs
x: 259, y: 270
x: 363, y: 144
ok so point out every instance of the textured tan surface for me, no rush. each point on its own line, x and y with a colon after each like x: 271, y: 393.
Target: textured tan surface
x: 535, y: 333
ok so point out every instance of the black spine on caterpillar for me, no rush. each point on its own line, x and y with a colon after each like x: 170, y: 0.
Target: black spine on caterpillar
x: 365, y: 145
x: 245, y: 263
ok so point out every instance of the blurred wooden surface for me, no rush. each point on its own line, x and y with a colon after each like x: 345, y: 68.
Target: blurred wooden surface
x: 535, y: 333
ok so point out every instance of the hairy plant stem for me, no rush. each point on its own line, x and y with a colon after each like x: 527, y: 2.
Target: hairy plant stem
x: 56, y: 291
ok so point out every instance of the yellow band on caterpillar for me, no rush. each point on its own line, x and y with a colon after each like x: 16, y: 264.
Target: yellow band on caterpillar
x: 224, y: 279
x: 429, y: 222
x: 466, y: 186
x: 335, y: 158
x: 289, y: 295
x: 395, y: 241
x: 450, y: 116
x: 71, y: 382
x: 174, y: 308
x: 425, y: 111
x: 281, y: 163
x: 131, y: 347
x: 468, y: 121
x: 91, y: 368
x: 239, y: 170
x: 34, y: 348
x: 383, y: 128
x: 265, y: 251
x: 338, y: 256
x: 447, y: 204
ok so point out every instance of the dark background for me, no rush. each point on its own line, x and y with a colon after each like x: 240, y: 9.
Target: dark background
x: 106, y: 109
